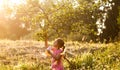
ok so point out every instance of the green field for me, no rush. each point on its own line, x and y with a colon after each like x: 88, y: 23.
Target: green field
x: 29, y: 55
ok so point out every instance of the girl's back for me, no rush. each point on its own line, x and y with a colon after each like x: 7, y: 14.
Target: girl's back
x: 57, y: 64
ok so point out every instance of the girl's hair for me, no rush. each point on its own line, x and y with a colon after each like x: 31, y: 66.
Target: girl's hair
x: 60, y: 43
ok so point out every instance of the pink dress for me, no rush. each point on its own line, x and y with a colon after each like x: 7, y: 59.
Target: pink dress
x: 57, y: 64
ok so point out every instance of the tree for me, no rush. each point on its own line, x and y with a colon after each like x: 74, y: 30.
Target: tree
x: 112, y: 27
x: 73, y: 20
x: 64, y: 18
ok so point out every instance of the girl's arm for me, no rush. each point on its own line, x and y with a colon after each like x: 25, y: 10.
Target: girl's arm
x: 57, y: 57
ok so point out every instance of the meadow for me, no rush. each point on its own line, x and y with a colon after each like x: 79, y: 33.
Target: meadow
x: 30, y: 55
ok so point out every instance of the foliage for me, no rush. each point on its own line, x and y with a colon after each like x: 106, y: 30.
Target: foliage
x: 107, y: 57
x: 84, y: 61
x: 63, y: 20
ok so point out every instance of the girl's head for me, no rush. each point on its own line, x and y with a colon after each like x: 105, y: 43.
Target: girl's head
x: 59, y: 43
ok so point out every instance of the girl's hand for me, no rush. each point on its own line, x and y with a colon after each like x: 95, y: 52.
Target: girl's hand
x: 63, y: 55
x: 63, y: 48
x: 49, y: 50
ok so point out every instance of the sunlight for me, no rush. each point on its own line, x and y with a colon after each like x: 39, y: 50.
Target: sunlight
x: 22, y: 25
x: 41, y: 1
x: 44, y: 55
x: 42, y: 23
x: 101, y: 8
x: 11, y: 3
x: 1, y: 4
x: 16, y: 2
x: 75, y: 4
x: 96, y: 1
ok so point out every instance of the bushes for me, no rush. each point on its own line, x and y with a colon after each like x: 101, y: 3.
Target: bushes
x: 84, y: 61
x: 106, y: 58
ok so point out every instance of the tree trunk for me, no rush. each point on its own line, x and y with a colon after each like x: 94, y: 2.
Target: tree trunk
x: 112, y: 28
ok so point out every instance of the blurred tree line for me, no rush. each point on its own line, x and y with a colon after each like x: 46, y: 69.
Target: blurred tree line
x: 69, y: 19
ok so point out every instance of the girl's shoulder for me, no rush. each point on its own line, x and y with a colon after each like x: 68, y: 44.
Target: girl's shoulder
x: 60, y: 50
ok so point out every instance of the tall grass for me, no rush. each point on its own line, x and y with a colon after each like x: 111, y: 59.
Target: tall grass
x: 105, y: 58
x: 27, y: 55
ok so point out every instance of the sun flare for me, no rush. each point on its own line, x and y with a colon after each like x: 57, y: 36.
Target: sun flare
x: 16, y: 2
x: 11, y: 3
x: 41, y: 1
x: 1, y: 4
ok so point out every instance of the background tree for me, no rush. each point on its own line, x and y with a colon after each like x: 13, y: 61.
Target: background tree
x: 112, y: 27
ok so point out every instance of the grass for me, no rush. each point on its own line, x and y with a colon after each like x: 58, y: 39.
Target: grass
x: 29, y: 55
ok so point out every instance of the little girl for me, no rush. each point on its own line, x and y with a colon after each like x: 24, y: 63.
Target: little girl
x: 55, y: 52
